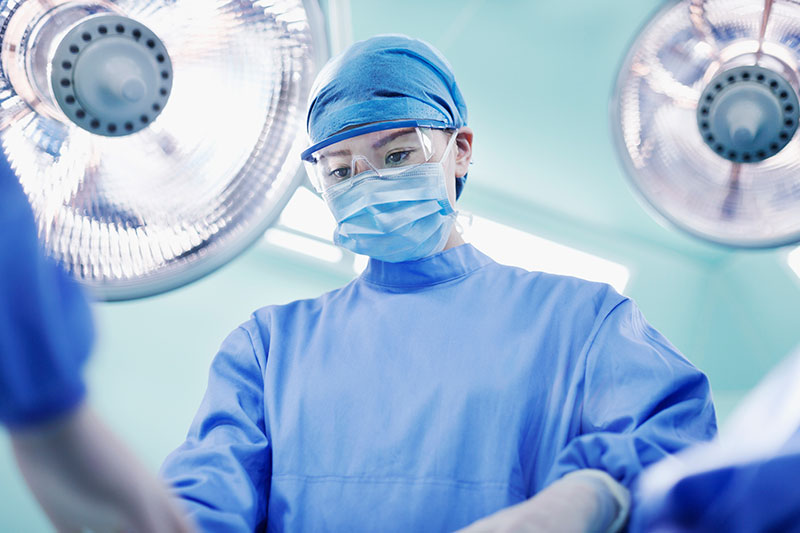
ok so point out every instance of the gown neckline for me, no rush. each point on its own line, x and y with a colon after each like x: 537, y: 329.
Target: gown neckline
x: 432, y: 270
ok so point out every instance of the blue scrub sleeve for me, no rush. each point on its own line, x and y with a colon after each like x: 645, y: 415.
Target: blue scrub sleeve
x: 641, y: 401
x: 221, y: 472
x: 757, y: 495
x: 46, y: 326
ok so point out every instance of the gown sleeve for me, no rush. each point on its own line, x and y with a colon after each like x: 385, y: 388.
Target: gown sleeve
x: 641, y: 400
x: 221, y: 472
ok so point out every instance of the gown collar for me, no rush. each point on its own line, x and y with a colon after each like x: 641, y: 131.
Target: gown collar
x: 438, y: 268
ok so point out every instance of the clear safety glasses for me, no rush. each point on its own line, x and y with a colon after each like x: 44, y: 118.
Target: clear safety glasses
x: 384, y: 152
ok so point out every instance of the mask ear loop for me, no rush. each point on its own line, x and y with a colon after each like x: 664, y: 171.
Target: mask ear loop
x: 465, y: 217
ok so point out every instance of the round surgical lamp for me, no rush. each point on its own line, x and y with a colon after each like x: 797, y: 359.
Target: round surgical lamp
x: 155, y: 139
x: 705, y: 117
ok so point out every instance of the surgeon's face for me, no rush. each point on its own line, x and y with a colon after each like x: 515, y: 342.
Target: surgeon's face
x: 387, y: 150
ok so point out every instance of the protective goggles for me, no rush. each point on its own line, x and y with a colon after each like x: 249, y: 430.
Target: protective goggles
x: 384, y: 151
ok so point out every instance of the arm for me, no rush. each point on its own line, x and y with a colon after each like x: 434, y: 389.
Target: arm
x: 745, y: 480
x: 221, y: 473
x: 754, y: 494
x: 81, y: 474
x: 84, y: 477
x: 641, y: 400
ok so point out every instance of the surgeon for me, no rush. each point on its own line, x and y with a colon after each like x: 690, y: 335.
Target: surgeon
x: 437, y: 391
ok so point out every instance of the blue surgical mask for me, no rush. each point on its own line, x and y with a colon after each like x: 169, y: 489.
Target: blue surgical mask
x: 403, y: 215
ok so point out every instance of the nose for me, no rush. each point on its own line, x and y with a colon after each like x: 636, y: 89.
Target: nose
x: 359, y: 166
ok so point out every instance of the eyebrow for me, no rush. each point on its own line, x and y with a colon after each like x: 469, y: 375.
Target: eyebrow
x: 379, y: 143
x: 393, y: 136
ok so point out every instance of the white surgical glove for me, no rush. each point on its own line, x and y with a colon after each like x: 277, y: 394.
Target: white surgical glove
x: 584, y: 501
x: 86, y: 479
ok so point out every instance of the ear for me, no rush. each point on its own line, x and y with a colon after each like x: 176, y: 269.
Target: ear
x: 463, y: 147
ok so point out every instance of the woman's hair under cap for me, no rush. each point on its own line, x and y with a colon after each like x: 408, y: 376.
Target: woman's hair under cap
x: 386, y: 77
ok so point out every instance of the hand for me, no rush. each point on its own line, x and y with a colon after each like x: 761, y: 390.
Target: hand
x: 82, y: 475
x: 86, y: 479
x: 45, y: 321
x: 583, y: 501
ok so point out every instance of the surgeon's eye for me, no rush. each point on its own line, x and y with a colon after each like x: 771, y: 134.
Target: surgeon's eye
x: 340, y: 173
x: 398, y: 158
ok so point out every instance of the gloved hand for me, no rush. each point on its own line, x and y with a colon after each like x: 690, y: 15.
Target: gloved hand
x: 584, y: 501
x: 45, y: 322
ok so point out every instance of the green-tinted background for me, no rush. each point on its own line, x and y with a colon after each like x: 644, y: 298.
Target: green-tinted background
x: 537, y: 77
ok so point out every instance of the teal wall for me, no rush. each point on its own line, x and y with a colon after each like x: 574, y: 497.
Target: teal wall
x: 537, y: 77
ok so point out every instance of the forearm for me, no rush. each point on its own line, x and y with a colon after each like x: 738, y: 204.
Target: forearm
x: 85, y: 477
x: 584, y: 501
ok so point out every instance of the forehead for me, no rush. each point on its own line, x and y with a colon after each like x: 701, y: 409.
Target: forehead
x: 370, y: 141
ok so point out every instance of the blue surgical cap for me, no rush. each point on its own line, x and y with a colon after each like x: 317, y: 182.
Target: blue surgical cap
x: 385, y: 78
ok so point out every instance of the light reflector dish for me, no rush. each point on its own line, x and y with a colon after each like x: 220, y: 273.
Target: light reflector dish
x: 136, y: 215
x: 727, y: 198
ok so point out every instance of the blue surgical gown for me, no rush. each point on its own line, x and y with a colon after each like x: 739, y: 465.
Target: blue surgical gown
x: 425, y: 395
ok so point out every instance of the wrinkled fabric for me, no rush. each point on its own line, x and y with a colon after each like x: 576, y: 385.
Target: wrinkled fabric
x: 385, y: 78
x: 425, y: 395
x: 46, y: 329
x: 744, y: 481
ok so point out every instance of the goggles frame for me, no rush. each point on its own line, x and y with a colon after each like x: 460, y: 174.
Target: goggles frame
x: 320, y: 183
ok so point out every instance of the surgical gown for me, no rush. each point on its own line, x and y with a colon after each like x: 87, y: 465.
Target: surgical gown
x: 425, y: 395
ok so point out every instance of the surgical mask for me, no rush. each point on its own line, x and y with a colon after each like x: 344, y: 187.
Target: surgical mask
x: 401, y: 214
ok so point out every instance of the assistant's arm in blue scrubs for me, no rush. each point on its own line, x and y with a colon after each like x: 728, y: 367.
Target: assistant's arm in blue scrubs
x: 83, y: 476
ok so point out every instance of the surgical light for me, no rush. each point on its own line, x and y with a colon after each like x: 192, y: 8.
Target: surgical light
x: 155, y: 139
x: 705, y: 116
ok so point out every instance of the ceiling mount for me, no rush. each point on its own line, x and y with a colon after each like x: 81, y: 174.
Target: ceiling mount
x: 747, y: 114
x: 111, y: 75
x: 705, y: 115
